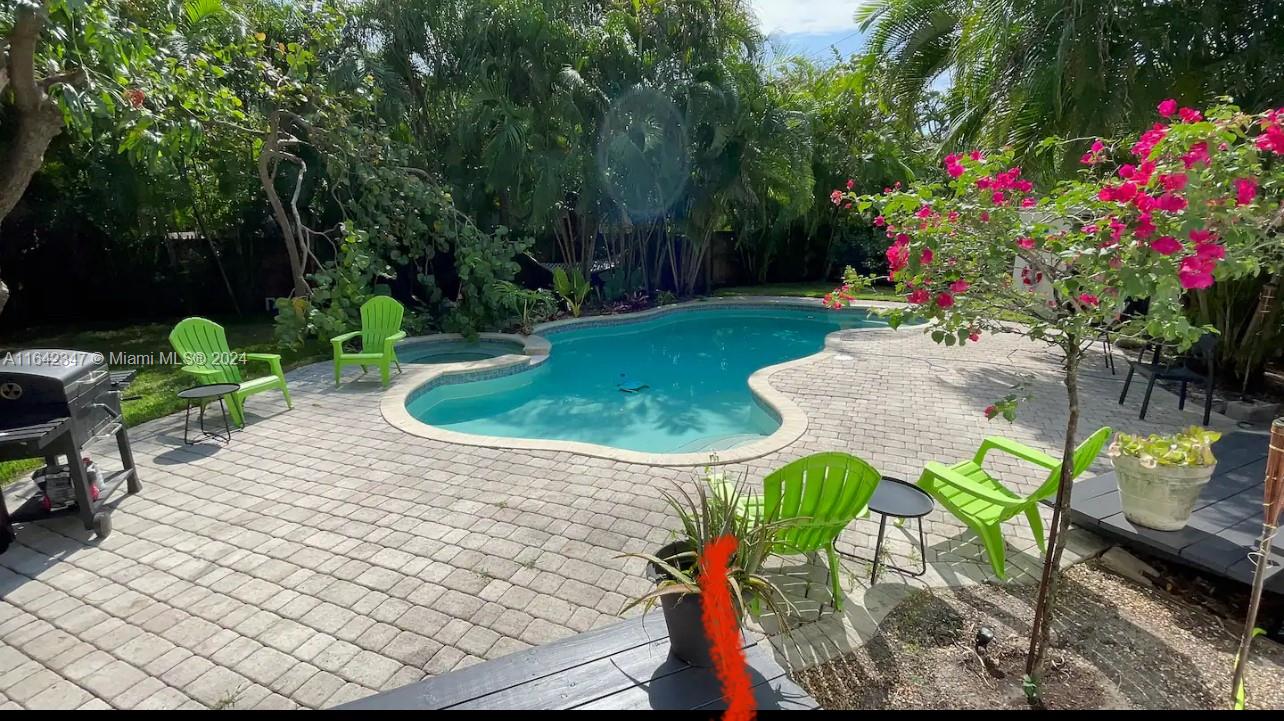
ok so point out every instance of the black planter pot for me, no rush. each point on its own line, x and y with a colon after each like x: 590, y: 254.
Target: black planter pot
x: 682, y: 614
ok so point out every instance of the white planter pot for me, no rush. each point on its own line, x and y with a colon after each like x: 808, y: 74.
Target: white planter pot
x: 1162, y: 497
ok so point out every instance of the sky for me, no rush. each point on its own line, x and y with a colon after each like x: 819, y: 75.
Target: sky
x: 810, y: 27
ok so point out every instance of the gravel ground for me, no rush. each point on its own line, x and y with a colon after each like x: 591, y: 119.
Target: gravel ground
x: 1117, y: 644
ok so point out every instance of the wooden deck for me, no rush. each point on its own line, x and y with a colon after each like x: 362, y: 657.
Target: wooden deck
x: 623, y: 666
x: 1224, y: 527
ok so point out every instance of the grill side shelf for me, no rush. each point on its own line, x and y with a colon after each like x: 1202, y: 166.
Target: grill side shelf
x: 29, y: 441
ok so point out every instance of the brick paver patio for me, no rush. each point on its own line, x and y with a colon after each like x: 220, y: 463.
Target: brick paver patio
x: 324, y: 555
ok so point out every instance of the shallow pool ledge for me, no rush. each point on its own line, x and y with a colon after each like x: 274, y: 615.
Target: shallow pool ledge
x: 793, y: 420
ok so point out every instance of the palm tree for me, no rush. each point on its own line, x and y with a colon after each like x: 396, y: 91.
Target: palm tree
x: 1020, y: 70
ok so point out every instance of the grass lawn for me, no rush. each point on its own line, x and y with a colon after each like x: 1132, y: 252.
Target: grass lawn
x: 810, y: 289
x: 156, y: 385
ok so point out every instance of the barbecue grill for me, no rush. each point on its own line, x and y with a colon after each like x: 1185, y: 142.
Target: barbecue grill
x: 52, y: 404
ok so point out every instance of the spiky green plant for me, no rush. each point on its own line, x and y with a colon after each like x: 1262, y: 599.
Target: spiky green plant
x: 711, y: 510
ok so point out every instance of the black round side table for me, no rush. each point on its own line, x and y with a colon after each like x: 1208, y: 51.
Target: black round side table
x: 900, y: 499
x: 200, y: 395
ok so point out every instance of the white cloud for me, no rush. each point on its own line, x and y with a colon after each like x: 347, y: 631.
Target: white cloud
x: 805, y: 16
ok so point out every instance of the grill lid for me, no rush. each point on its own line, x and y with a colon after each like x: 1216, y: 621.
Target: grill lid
x: 43, y: 375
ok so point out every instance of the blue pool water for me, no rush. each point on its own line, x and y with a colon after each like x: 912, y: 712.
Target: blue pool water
x: 695, y: 366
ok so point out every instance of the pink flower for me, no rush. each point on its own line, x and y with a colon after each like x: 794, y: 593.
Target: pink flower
x: 1190, y: 115
x: 1090, y: 228
x: 924, y: 212
x: 1098, y: 146
x: 1197, y: 155
x: 985, y: 216
x: 1144, y: 228
x: 959, y: 286
x: 945, y: 300
x: 998, y: 197
x: 836, y: 197
x: 976, y: 155
x: 990, y: 411
x: 1143, y: 202
x: 880, y: 221
x: 1149, y: 139
x: 851, y: 184
x: 1127, y: 170
x: 1171, y: 203
x: 952, y: 166
x: 1087, y: 159
x: 926, y: 256
x: 1029, y: 202
x: 1201, y: 235
x: 902, y: 239
x: 1165, y: 245
x: 974, y: 336
x: 1174, y: 182
x: 897, y: 257
x: 918, y: 296
x: 1025, y: 242
x: 1195, y: 273
x: 1245, y: 190
x: 954, y: 216
x: 1144, y: 171
x: 1210, y: 251
x: 1117, y: 228
x: 1168, y: 107
x: 1105, y: 195
x: 1089, y: 299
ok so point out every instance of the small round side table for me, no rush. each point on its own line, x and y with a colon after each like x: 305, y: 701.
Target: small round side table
x: 900, y: 499
x: 200, y: 395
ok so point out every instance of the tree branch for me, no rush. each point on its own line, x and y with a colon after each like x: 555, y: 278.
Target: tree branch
x: 75, y: 76
x: 27, y: 23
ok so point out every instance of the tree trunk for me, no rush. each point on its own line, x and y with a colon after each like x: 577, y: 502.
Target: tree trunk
x: 38, y: 118
x: 269, y: 155
x: 1060, y: 522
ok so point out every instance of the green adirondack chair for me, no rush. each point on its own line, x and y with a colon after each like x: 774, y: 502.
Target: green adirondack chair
x: 824, y: 492
x: 380, y: 331
x: 202, y: 346
x: 984, y: 504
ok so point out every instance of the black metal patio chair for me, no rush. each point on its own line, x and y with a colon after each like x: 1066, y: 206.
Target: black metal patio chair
x: 1176, y: 368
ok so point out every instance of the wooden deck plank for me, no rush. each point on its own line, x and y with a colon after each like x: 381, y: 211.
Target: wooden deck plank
x: 699, y: 688
x: 460, y: 686
x: 1223, y: 526
x: 586, y: 682
x: 626, y: 665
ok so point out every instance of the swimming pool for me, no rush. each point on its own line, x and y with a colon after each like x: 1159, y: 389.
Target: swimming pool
x: 673, y: 383
x: 451, y: 349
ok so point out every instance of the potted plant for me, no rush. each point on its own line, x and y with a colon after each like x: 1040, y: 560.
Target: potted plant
x: 1160, y: 477
x: 708, y: 512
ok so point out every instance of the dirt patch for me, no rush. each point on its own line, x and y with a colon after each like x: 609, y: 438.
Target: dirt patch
x: 1116, y: 644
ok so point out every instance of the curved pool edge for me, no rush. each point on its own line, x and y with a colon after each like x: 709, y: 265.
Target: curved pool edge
x: 793, y: 419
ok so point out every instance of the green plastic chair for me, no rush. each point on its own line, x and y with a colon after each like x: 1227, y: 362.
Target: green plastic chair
x: 824, y: 492
x: 984, y: 504
x: 202, y: 346
x: 380, y: 331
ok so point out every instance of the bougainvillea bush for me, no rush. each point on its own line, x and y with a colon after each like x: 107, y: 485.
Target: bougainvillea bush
x: 1194, y: 200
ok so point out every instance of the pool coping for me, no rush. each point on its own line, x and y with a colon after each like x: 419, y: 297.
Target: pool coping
x: 793, y: 419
